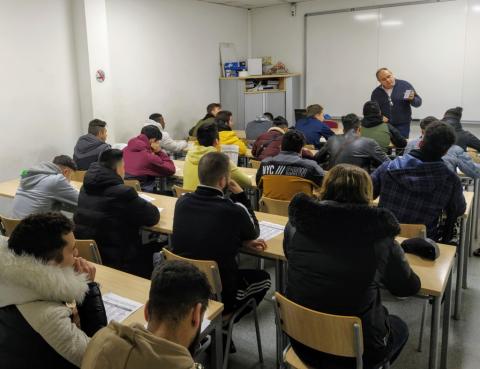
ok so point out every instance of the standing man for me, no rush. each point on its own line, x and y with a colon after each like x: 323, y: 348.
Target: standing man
x: 396, y: 98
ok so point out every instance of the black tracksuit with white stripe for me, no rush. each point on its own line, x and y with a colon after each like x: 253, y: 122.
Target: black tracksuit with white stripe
x: 208, y: 226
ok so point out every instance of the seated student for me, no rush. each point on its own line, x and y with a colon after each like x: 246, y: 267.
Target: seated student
x: 212, y: 110
x: 418, y: 187
x: 167, y: 143
x: 313, y: 127
x: 45, y: 187
x: 340, y: 272
x: 375, y: 128
x: 258, y: 126
x: 282, y: 176
x: 39, y: 273
x: 465, y: 139
x: 269, y: 143
x: 207, y: 136
x: 113, y: 214
x: 91, y: 145
x: 224, y: 122
x: 177, y: 303
x: 351, y: 148
x: 145, y: 160
x: 209, y: 226
x: 455, y: 157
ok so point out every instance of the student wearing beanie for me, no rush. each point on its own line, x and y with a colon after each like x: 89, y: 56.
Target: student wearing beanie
x: 373, y: 127
x: 312, y: 126
x: 465, y: 139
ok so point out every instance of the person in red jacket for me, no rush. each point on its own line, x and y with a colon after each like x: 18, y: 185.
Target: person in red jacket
x: 145, y: 160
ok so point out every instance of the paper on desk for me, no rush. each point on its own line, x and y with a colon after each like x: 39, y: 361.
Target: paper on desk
x: 270, y: 230
x: 146, y: 198
x: 119, y: 308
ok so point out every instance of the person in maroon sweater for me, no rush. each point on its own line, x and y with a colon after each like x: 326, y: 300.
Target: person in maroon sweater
x: 145, y: 160
x: 269, y: 144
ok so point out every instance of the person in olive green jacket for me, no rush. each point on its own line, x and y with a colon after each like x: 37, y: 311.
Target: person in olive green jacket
x: 208, y: 141
x: 374, y: 127
x: 212, y: 111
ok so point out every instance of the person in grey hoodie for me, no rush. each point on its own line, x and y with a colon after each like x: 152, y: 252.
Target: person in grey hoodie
x: 90, y: 146
x: 45, y: 187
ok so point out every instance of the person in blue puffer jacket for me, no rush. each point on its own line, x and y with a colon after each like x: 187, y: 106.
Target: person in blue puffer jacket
x: 312, y: 126
x: 395, y: 103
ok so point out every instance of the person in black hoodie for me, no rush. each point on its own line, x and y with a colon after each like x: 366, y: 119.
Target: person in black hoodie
x: 112, y: 214
x: 209, y: 226
x: 464, y: 139
x: 338, y: 272
x: 375, y: 128
x: 89, y: 147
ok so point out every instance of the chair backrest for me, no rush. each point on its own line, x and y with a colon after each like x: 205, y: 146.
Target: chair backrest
x: 331, y: 334
x: 309, y: 147
x: 78, y: 175
x: 272, y: 206
x: 88, y: 250
x: 8, y: 225
x: 413, y: 230
x: 255, y: 163
x: 282, y: 187
x: 209, y: 267
x: 179, y: 191
x: 240, y: 133
x: 135, y: 183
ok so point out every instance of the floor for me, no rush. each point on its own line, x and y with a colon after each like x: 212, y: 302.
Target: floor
x: 464, y: 342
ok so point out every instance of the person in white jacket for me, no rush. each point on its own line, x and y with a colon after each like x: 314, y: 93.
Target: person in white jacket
x: 167, y: 143
x: 46, y: 187
x: 40, y: 279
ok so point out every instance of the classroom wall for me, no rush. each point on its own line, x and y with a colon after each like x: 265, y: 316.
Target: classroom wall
x: 276, y: 33
x: 39, y: 103
x: 165, y: 58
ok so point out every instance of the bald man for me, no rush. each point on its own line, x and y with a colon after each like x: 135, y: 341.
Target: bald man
x: 396, y: 98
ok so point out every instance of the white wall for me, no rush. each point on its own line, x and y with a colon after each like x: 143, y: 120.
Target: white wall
x: 276, y: 33
x: 39, y: 104
x: 165, y: 58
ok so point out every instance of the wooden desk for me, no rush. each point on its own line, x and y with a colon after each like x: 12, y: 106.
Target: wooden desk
x: 136, y: 288
x: 179, y: 164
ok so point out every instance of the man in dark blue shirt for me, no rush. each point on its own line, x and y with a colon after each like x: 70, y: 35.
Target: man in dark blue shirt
x: 396, y: 98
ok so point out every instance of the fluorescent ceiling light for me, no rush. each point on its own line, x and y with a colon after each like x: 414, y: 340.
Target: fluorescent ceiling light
x: 476, y: 8
x: 391, y: 23
x: 366, y: 17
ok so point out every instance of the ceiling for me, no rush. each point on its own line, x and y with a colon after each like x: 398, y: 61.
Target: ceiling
x: 250, y: 4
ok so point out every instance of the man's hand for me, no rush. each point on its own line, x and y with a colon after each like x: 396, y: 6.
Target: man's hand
x: 385, y: 119
x: 234, y: 187
x: 156, y: 146
x: 83, y: 266
x: 257, y: 245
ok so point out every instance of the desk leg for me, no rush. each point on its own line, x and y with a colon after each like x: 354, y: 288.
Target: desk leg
x: 476, y: 202
x: 460, y: 263
x: 432, y: 362
x: 216, y: 356
x: 467, y: 248
x: 280, y: 287
x: 447, y: 306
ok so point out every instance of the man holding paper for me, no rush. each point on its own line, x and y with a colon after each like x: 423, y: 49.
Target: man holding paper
x: 396, y: 98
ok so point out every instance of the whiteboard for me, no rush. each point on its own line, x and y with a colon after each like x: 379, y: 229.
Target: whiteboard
x: 434, y: 46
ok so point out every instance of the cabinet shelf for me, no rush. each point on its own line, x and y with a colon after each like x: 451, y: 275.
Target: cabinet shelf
x: 263, y: 92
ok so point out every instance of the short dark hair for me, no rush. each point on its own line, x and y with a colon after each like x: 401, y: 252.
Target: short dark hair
x: 212, y: 106
x: 222, y: 119
x: 268, y: 115
x: 351, y: 121
x: 177, y: 286
x: 381, y: 70
x: 207, y: 133
x: 425, y: 122
x: 110, y: 158
x: 293, y: 140
x: 152, y: 131
x: 155, y: 116
x: 280, y: 122
x: 96, y: 126
x: 437, y: 139
x: 212, y: 167
x: 65, y: 161
x: 41, y: 236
